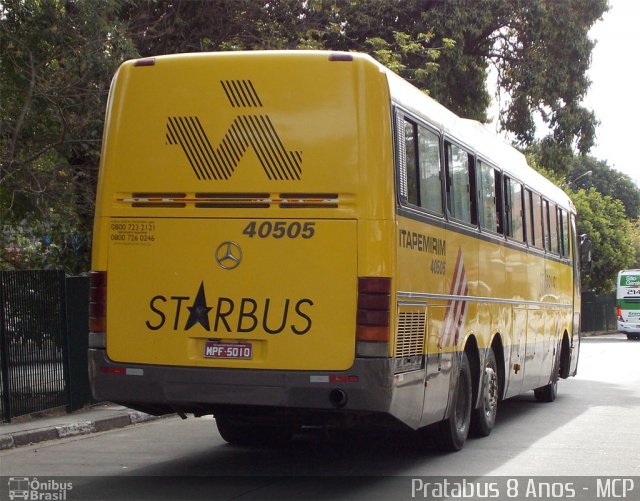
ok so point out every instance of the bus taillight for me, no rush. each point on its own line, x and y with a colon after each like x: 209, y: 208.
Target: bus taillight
x: 98, y: 301
x: 374, y: 298
x: 619, y: 314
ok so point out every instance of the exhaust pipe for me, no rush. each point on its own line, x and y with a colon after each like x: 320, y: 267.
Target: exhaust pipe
x: 338, y: 398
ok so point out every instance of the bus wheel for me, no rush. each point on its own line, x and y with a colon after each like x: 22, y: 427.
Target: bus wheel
x: 484, y: 417
x: 237, y: 432
x: 452, y: 432
x: 547, y: 393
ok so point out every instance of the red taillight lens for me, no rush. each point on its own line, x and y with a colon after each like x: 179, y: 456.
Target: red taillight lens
x: 374, y: 299
x: 98, y: 301
x: 619, y: 314
x: 113, y: 371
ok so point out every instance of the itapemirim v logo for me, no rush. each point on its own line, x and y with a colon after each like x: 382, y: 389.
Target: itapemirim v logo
x: 38, y: 490
x: 250, y: 130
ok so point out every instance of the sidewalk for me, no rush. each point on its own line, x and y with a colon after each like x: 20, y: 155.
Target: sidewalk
x: 93, y: 419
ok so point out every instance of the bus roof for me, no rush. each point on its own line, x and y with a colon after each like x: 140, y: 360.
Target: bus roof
x: 473, y: 134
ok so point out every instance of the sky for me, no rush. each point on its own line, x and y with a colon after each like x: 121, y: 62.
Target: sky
x: 614, y: 94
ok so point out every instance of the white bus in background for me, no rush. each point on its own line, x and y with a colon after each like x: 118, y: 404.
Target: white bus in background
x: 628, y: 303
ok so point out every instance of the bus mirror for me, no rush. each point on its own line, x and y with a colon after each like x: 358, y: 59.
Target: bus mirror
x: 585, y: 252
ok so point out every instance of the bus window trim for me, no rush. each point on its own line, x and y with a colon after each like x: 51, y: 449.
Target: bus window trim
x: 401, y: 115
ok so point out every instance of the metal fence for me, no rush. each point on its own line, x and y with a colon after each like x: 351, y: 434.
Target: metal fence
x: 598, y: 312
x: 35, y: 353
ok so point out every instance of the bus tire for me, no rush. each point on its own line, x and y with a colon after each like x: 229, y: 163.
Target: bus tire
x: 236, y: 432
x: 547, y: 393
x: 451, y: 433
x: 483, y: 418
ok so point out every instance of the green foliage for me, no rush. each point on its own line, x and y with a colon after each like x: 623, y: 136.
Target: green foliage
x: 533, y: 159
x: 540, y: 49
x: 603, y: 219
x: 542, y: 53
x: 57, y: 61
x: 635, y: 240
x: 58, y: 57
x: 602, y: 216
x: 565, y: 168
x: 607, y: 181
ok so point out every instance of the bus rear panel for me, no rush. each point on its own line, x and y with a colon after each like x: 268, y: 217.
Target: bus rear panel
x: 238, y: 220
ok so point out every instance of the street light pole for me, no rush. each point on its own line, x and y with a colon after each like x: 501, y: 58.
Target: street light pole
x: 573, y: 181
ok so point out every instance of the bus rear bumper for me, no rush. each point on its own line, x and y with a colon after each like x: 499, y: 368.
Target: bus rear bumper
x: 628, y: 327
x: 367, y: 387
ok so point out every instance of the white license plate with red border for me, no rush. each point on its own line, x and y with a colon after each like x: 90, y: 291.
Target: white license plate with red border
x: 234, y: 351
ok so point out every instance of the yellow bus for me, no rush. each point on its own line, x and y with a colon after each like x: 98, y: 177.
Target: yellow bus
x: 292, y: 238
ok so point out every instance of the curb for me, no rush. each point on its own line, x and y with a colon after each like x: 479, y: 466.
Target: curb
x: 598, y: 333
x: 18, y: 439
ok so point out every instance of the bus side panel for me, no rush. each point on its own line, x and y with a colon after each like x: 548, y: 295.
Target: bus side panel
x: 517, y: 352
x: 577, y: 300
x: 421, y: 268
x: 438, y: 366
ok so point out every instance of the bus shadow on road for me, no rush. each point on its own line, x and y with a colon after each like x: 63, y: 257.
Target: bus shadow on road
x: 522, y: 421
x: 317, y: 465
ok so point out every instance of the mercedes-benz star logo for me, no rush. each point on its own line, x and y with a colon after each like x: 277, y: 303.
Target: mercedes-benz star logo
x: 228, y: 255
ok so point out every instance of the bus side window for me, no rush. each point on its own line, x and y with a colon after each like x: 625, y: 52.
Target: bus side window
x: 460, y: 184
x: 545, y: 223
x: 411, y: 167
x: 534, y: 207
x: 429, y: 171
x: 499, y: 203
x: 553, y: 229
x: 490, y: 199
x: 564, y: 233
x: 538, y: 221
x: 528, y: 202
x: 514, y: 209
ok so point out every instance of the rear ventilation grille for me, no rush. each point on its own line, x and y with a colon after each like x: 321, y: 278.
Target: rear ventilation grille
x: 232, y: 200
x: 157, y: 200
x: 308, y: 200
x: 410, y: 341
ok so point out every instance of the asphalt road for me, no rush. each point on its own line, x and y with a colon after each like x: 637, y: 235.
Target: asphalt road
x: 592, y: 429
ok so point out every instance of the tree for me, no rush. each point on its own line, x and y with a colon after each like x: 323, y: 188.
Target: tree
x: 615, y: 240
x: 59, y: 56
x: 607, y: 181
x: 540, y: 48
x: 542, y: 54
x: 57, y: 61
x: 603, y: 219
x: 635, y: 240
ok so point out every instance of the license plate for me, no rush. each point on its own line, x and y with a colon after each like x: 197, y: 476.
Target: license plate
x: 237, y: 351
